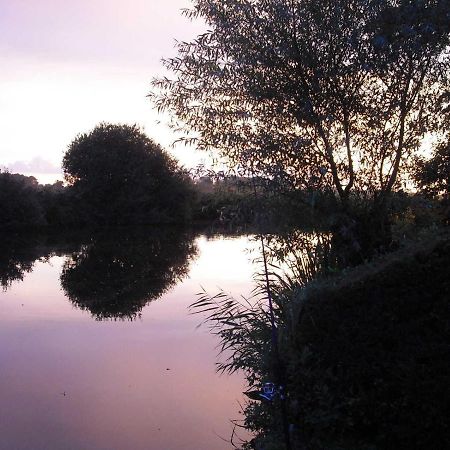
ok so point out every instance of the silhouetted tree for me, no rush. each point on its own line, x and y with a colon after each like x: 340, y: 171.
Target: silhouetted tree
x: 120, y: 176
x: 433, y: 175
x: 19, y: 202
x: 335, y: 93
x: 57, y: 205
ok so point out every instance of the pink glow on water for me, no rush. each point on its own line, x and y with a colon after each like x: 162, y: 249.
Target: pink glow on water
x: 69, y: 382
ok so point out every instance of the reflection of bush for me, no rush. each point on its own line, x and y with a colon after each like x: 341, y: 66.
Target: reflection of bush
x: 18, y: 253
x: 17, y: 256
x: 114, y: 276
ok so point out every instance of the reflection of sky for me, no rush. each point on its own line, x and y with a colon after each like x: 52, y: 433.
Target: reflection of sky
x: 119, y: 393
x: 67, y: 66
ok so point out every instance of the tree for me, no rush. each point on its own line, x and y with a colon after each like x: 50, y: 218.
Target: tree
x: 318, y: 93
x: 433, y: 175
x: 19, y: 202
x: 119, y: 176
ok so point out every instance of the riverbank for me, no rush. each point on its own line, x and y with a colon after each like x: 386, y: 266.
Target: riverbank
x: 369, y: 356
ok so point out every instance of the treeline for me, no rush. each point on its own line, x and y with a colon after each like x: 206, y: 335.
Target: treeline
x: 226, y: 204
x: 27, y: 204
x: 115, y: 175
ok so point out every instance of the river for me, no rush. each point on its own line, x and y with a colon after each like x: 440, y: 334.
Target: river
x: 98, y: 348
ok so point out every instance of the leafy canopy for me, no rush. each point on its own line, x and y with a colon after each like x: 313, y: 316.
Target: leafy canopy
x: 121, y: 176
x: 312, y: 92
x: 433, y: 175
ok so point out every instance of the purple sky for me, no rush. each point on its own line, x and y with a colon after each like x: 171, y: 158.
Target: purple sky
x: 67, y: 66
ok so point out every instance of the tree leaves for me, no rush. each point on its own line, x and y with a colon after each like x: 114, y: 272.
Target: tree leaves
x: 358, y: 79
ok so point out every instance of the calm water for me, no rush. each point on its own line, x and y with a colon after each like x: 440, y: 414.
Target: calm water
x: 98, y: 350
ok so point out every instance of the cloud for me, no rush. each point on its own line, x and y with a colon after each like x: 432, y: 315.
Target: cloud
x: 36, y: 165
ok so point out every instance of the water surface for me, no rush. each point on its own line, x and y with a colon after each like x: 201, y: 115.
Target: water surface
x: 98, y: 349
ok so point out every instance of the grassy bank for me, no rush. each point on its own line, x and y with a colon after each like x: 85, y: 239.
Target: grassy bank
x: 368, y: 363
x: 363, y: 352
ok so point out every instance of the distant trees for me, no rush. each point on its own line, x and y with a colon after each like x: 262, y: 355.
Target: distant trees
x: 19, y: 202
x: 26, y: 204
x: 117, y: 175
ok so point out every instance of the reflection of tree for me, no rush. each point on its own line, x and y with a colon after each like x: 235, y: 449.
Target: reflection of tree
x: 17, y: 257
x: 114, y: 276
x: 18, y: 253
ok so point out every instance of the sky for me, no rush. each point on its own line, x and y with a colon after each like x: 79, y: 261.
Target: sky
x: 68, y: 65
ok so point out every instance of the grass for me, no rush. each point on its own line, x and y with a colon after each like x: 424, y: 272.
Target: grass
x: 365, y: 350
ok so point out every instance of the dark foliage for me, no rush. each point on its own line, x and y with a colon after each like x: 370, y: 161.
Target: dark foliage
x: 433, y: 176
x: 19, y: 202
x: 223, y: 207
x: 56, y: 203
x: 27, y: 205
x: 119, y: 176
x: 370, y: 364
x: 256, y: 205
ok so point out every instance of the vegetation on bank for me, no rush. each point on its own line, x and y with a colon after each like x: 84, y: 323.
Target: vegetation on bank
x: 369, y: 353
x: 25, y: 204
x: 363, y: 352
x: 116, y: 175
x: 226, y: 205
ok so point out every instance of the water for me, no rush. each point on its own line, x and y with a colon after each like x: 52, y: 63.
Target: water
x: 98, y: 349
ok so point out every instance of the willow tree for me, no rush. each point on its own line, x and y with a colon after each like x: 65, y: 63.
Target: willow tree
x: 312, y: 92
